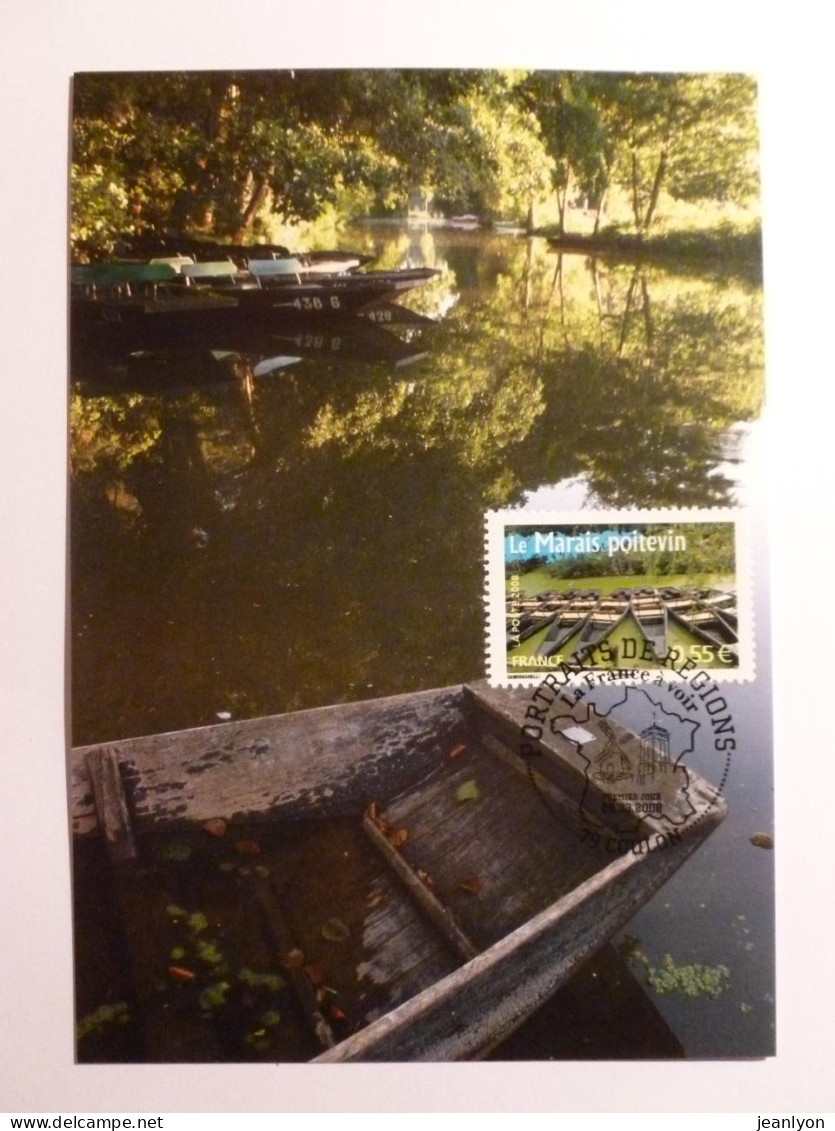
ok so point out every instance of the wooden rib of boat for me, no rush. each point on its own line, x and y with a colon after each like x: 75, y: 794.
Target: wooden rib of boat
x: 650, y: 613
x: 570, y: 621
x: 468, y: 892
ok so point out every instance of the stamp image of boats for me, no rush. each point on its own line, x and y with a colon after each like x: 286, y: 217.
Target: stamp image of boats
x: 471, y: 885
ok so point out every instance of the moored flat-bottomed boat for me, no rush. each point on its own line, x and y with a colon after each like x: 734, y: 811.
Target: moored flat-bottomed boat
x: 471, y: 889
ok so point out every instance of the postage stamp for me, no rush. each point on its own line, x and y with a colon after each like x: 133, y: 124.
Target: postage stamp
x: 620, y: 593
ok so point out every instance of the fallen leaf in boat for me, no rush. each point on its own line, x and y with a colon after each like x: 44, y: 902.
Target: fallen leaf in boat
x: 226, y: 866
x: 180, y: 974
x: 334, y: 930
x: 424, y: 877
x: 471, y: 884
x: 762, y: 840
x: 244, y: 871
x: 248, y: 847
x: 398, y: 837
x: 374, y: 901
x: 292, y: 959
x: 261, y: 872
x: 337, y: 1014
x: 324, y: 992
x: 458, y: 750
x: 215, y: 826
x: 314, y: 974
x: 371, y: 811
x: 469, y: 791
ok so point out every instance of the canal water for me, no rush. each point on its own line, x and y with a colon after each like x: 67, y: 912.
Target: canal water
x: 271, y: 524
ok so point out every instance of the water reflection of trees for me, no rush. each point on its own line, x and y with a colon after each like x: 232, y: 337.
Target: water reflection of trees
x: 321, y: 538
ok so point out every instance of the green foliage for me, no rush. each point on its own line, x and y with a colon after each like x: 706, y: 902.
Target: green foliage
x: 223, y: 152
x: 692, y: 980
x: 274, y: 983
x: 114, y: 1013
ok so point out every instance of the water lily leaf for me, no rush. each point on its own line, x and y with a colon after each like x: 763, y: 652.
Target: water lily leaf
x: 468, y: 791
x: 197, y: 922
x: 334, y: 930
x: 214, y: 995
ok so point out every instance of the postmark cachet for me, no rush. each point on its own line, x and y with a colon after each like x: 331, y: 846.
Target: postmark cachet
x: 632, y: 747
x: 620, y: 593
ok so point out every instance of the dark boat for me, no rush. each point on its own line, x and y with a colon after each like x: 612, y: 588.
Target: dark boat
x: 604, y: 619
x: 463, y: 901
x: 280, y: 273
x: 719, y: 602
x: 705, y: 624
x: 570, y: 621
x: 650, y: 613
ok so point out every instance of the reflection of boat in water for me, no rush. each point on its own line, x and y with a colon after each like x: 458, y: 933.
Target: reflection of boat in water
x: 152, y: 360
x: 440, y: 877
x: 572, y: 618
x: 101, y: 355
x: 650, y: 613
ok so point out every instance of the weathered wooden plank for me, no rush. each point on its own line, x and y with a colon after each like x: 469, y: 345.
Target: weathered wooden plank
x: 423, y: 897
x: 328, y: 761
x: 305, y: 994
x: 504, y: 842
x: 111, y: 805
x: 465, y: 1013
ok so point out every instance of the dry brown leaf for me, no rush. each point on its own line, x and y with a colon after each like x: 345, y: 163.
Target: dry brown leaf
x: 471, y: 884
x: 180, y: 974
x: 314, y: 974
x: 398, y: 837
x: 215, y: 826
x: 425, y: 878
x: 458, y: 750
x: 248, y: 847
x: 371, y: 811
x: 336, y: 1013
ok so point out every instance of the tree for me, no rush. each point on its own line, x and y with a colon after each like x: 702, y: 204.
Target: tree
x: 691, y: 134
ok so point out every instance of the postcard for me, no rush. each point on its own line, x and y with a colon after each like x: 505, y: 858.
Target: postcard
x: 419, y: 707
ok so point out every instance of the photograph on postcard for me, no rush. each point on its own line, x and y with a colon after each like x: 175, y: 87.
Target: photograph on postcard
x: 369, y: 367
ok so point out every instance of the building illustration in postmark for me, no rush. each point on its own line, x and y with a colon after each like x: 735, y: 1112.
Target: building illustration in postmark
x: 618, y: 592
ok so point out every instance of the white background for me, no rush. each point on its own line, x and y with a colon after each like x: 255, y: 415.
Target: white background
x: 41, y: 43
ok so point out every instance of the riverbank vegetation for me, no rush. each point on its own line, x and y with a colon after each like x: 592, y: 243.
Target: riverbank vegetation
x: 243, y: 155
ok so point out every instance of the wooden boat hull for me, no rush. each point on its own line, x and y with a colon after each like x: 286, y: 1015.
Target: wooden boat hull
x: 549, y: 901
